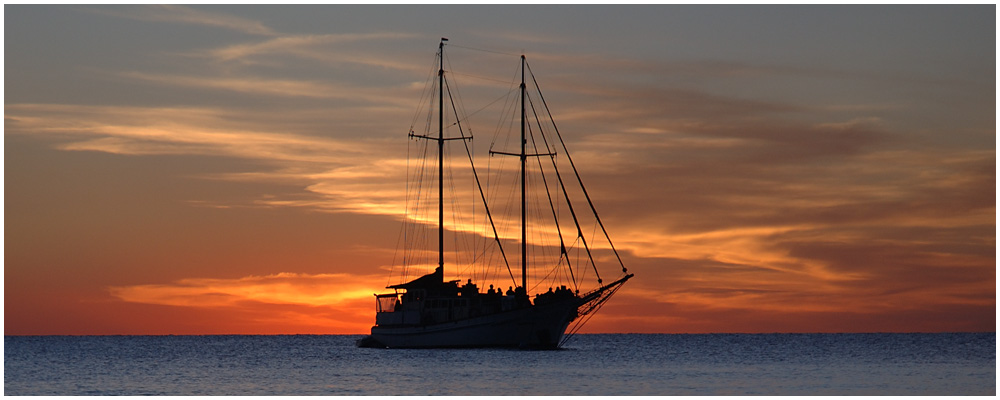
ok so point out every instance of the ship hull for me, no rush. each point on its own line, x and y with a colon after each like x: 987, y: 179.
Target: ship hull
x: 535, y: 327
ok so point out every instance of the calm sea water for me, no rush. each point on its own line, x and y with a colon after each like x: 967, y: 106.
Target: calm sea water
x: 630, y: 364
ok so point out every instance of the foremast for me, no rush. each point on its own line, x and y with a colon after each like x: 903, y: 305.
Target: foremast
x: 440, y: 139
x: 440, y: 143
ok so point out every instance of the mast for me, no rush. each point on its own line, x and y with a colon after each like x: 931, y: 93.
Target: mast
x: 441, y: 154
x: 440, y: 143
x: 523, y: 155
x: 524, y: 224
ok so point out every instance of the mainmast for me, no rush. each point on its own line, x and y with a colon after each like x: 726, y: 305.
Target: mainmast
x: 524, y: 224
x: 523, y: 154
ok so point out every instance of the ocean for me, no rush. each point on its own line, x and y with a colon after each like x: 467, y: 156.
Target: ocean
x: 592, y: 364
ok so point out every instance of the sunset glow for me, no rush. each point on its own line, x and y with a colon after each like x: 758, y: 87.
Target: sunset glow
x: 242, y: 169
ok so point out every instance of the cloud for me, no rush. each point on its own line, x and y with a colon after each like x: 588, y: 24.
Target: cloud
x: 277, y: 47
x: 160, y: 130
x: 734, y: 208
x: 336, y: 175
x: 705, y: 210
x: 187, y: 15
x: 316, y: 47
x: 263, y: 87
x: 283, y: 288
x: 278, y: 303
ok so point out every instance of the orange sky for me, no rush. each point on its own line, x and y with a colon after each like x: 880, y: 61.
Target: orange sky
x: 213, y: 170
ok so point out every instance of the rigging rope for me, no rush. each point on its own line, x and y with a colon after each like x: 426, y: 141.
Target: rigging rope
x: 429, y: 85
x: 569, y: 204
x: 486, y: 205
x: 483, y: 50
x: 409, y: 228
x: 589, y: 312
x: 575, y: 171
x: 562, y: 244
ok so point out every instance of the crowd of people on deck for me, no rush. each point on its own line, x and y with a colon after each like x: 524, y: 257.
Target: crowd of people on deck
x: 560, y: 293
x: 470, y: 290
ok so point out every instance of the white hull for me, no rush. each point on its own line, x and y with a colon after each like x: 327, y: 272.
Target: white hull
x: 532, y: 327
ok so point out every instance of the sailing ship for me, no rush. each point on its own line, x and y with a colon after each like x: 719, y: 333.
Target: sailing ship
x: 434, y: 312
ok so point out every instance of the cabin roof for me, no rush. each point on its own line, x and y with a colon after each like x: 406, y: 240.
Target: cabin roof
x: 432, y: 279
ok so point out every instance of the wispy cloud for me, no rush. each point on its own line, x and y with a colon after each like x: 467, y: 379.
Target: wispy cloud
x: 316, y: 47
x: 260, y: 86
x: 276, y: 303
x: 726, y: 211
x: 328, y: 290
x: 187, y: 15
x: 161, y: 130
x: 276, y: 47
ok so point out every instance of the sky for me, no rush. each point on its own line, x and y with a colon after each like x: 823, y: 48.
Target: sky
x: 240, y: 169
